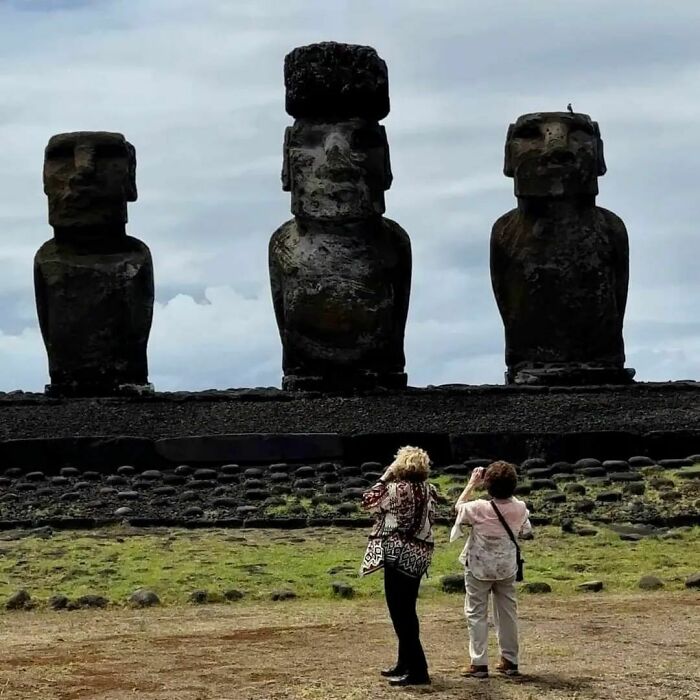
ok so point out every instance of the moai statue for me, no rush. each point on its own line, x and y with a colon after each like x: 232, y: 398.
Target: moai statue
x: 340, y: 272
x: 93, y: 283
x: 559, y: 263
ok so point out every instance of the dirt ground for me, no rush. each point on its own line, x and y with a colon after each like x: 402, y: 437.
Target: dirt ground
x: 620, y: 647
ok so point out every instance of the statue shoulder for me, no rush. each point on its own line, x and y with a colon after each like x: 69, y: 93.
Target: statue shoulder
x: 613, y: 223
x: 396, y: 231
x: 283, y: 233
x: 136, y: 245
x: 504, y: 223
x: 48, y: 248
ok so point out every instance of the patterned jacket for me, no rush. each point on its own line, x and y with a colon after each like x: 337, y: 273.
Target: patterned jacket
x: 402, y: 535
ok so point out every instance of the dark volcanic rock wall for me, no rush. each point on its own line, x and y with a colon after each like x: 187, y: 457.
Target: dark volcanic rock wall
x: 454, y: 410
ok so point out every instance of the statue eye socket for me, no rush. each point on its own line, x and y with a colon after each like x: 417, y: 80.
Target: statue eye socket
x: 366, y: 138
x: 110, y: 150
x: 60, y: 153
x: 306, y: 138
x: 527, y: 132
x: 581, y: 132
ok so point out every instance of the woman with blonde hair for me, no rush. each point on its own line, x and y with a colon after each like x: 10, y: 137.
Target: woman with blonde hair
x: 401, y: 542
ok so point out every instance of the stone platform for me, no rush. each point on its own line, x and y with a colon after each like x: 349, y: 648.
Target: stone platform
x: 264, y: 457
x: 265, y: 425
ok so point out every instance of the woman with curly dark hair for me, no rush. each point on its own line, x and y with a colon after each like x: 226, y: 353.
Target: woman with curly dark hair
x: 492, y: 563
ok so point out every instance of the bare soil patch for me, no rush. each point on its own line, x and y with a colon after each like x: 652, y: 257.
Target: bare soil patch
x: 621, y: 647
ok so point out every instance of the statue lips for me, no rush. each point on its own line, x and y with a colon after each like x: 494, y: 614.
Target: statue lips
x: 82, y: 197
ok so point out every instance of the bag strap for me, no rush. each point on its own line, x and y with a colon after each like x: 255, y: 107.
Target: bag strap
x: 507, y: 528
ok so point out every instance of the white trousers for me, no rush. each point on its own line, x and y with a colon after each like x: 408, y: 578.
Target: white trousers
x: 505, y: 617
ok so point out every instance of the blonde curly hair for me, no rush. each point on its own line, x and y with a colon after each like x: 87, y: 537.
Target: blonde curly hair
x: 411, y: 463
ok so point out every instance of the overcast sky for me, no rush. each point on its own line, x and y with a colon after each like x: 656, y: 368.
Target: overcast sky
x: 197, y: 87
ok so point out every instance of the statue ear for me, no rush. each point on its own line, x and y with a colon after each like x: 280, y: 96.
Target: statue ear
x: 507, y: 164
x: 602, y: 168
x: 388, y: 175
x: 131, y: 192
x: 286, y: 175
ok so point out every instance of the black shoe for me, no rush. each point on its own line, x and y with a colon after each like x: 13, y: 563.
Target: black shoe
x: 410, y: 679
x: 394, y: 671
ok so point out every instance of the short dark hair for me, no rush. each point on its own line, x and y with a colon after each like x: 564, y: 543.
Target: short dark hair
x: 500, y: 479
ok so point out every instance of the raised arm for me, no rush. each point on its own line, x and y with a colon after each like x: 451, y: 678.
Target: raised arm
x: 476, y: 479
x: 376, y: 499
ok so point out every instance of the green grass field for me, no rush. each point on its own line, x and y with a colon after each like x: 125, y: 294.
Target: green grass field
x: 173, y: 563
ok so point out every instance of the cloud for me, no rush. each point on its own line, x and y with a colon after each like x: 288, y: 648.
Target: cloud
x: 197, y: 88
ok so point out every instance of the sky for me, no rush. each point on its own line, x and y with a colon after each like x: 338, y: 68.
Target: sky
x: 197, y: 87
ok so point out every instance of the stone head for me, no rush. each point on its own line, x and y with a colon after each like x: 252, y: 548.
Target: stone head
x: 554, y: 154
x: 336, y: 155
x: 89, y: 176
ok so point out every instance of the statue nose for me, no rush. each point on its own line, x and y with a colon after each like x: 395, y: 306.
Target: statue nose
x: 556, y: 138
x: 84, y: 164
x: 336, y: 148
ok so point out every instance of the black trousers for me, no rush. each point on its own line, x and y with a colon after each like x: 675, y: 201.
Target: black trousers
x: 401, y: 593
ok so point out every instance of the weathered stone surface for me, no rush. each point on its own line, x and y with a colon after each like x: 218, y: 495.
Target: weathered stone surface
x: 283, y: 594
x: 532, y: 463
x: 536, y: 587
x: 452, y: 583
x: 93, y: 283
x: 251, y: 447
x: 91, y: 600
x: 560, y: 264
x: 539, y: 472
x: 641, y: 461
x: 616, y: 465
x: 693, y: 581
x: 650, y: 583
x: 554, y: 497
x: 543, y: 484
x: 609, y: 496
x: 232, y: 594
x: 562, y: 467
x: 342, y: 590
x: 51, y: 454
x: 21, y: 600
x: 590, y: 586
x: 341, y: 314
x: 58, y: 602
x: 199, y: 597
x: 674, y: 463
x: 143, y: 598
x: 151, y: 475
x: 625, y: 477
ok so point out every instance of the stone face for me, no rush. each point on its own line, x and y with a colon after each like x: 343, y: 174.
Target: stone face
x: 559, y: 263
x: 340, y: 273
x: 93, y: 283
